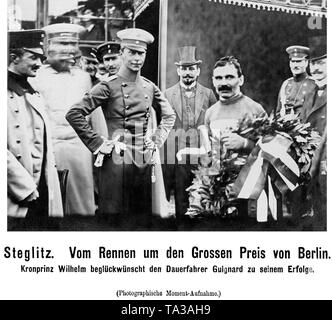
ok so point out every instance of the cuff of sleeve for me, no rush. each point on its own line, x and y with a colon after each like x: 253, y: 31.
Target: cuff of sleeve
x: 98, y: 149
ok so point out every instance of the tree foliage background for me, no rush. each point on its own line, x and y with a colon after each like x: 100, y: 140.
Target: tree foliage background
x: 258, y: 38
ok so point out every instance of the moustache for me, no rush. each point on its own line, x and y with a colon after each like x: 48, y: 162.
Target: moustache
x: 226, y: 88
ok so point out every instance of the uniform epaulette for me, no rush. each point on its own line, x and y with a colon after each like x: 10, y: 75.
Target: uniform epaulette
x: 111, y: 78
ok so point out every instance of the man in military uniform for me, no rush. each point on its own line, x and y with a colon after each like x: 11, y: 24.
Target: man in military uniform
x: 296, y: 92
x: 62, y: 84
x: 89, y: 62
x: 108, y: 53
x: 189, y: 100
x: 126, y: 100
x: 33, y: 194
x: 316, y: 115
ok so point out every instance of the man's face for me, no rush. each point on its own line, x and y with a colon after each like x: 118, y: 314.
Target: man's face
x: 112, y: 63
x: 132, y: 59
x: 87, y: 15
x: 227, y: 81
x: 61, y: 65
x: 188, y: 74
x: 318, y: 69
x: 298, y: 66
x: 27, y: 64
x: 89, y: 66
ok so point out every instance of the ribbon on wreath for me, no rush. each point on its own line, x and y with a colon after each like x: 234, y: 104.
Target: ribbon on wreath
x: 269, y: 168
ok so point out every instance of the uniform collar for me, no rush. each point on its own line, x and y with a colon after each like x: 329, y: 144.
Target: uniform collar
x: 300, y: 77
x: 128, y: 75
x: 19, y: 84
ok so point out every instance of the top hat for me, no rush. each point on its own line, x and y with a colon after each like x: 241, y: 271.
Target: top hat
x: 187, y: 56
x: 136, y: 39
x: 110, y: 48
x: 30, y: 40
x: 298, y: 52
x: 319, y: 48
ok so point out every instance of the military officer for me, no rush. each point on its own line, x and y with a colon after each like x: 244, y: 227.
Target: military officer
x: 33, y: 190
x: 126, y: 100
x: 108, y: 53
x: 89, y: 62
x: 63, y: 84
x: 298, y: 91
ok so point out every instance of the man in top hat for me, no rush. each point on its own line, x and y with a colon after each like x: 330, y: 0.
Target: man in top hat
x: 316, y: 115
x: 296, y: 92
x: 190, y: 100
x: 32, y: 181
x: 62, y: 84
x: 127, y: 100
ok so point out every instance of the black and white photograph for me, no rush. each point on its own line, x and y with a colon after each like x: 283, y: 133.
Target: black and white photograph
x: 165, y: 122
x: 166, y: 115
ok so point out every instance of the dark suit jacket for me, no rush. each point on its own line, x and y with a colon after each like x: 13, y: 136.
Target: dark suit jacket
x: 316, y: 115
x: 203, y: 100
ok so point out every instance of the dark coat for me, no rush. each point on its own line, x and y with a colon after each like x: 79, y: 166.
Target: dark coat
x: 316, y: 115
x: 124, y: 179
x: 296, y: 95
x: 204, y: 98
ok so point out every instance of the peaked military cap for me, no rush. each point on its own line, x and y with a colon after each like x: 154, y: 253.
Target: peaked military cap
x: 30, y: 40
x: 298, y: 52
x: 187, y: 56
x: 89, y: 53
x: 110, y: 48
x: 64, y: 32
x: 136, y: 39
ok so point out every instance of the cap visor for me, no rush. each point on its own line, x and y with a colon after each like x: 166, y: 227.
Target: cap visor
x: 187, y: 64
x: 134, y: 47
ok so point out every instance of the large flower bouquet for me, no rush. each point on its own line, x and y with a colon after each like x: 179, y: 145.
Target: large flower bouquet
x: 209, y: 194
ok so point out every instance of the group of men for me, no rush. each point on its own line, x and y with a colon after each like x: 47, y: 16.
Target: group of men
x: 108, y: 136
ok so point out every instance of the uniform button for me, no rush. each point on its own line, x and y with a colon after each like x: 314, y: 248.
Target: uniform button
x: 17, y: 126
x: 148, y: 114
x: 18, y: 156
x: 127, y: 107
x: 11, y: 97
x: 37, y: 142
x: 18, y: 141
x: 146, y: 96
x: 126, y: 119
x: 16, y: 110
x: 323, y: 117
x: 123, y: 84
x: 126, y: 95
